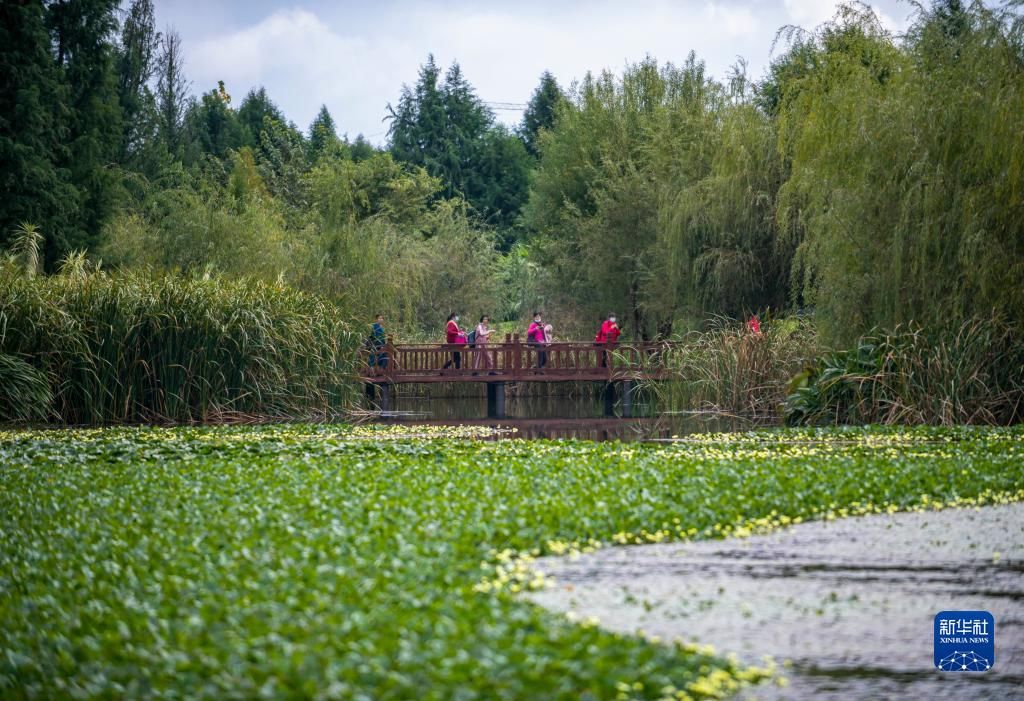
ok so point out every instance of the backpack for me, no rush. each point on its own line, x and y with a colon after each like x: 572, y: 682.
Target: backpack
x: 471, y: 339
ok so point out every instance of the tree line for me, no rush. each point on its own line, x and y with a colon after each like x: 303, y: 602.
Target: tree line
x: 865, y: 179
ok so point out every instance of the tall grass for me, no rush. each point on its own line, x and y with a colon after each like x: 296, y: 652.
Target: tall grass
x: 728, y: 370
x: 144, y: 347
x: 970, y: 374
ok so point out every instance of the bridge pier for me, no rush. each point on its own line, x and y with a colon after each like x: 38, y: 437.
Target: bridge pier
x: 495, y: 400
x: 379, y: 395
x: 608, y: 395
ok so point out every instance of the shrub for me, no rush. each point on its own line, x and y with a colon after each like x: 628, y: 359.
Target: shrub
x: 973, y: 374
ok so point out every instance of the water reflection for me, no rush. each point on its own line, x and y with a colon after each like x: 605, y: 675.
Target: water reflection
x: 559, y: 415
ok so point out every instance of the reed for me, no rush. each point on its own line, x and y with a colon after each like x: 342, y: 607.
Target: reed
x: 728, y: 370
x: 971, y: 374
x: 145, y: 347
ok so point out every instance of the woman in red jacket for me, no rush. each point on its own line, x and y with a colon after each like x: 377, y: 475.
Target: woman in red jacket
x: 607, y: 334
x: 455, y: 337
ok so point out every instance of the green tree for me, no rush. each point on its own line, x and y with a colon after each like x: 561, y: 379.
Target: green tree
x: 540, y: 112
x: 361, y: 149
x: 172, y: 92
x: 417, y: 131
x: 502, y: 186
x: 323, y: 137
x: 33, y: 115
x: 213, y: 125
x: 906, y: 172
x: 442, y: 126
x: 603, y: 202
x: 281, y: 157
x: 255, y: 109
x: 136, y: 66
x: 82, y: 34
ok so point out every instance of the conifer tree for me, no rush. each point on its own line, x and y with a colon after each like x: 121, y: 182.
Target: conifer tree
x: 82, y: 33
x: 172, y: 90
x: 33, y: 115
x: 136, y: 65
x: 323, y: 137
x: 255, y: 108
x: 540, y: 112
x: 446, y: 128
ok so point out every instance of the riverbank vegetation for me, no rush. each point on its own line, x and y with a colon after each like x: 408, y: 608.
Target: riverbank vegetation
x: 867, y: 181
x: 729, y: 370
x: 316, y: 561
x: 87, y: 346
x: 972, y: 374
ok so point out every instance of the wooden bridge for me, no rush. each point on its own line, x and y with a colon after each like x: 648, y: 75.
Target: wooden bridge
x: 496, y: 364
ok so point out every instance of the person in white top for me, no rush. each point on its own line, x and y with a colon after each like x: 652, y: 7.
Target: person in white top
x: 483, y: 331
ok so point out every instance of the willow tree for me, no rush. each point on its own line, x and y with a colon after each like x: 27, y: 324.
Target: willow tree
x: 907, y: 164
x: 721, y: 183
x: 598, y: 204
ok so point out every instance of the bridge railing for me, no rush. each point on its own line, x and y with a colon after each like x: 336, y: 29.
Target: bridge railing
x: 515, y: 360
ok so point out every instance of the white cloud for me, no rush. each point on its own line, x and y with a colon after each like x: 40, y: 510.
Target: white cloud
x: 810, y: 13
x: 355, y: 59
x: 301, y: 61
x: 737, y: 21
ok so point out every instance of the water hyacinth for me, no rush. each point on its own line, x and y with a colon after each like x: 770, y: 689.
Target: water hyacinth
x: 314, y: 561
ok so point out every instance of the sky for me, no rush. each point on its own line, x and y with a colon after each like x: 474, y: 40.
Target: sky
x: 354, y: 57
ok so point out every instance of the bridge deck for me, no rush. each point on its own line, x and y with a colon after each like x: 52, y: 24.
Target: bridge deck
x: 514, y: 361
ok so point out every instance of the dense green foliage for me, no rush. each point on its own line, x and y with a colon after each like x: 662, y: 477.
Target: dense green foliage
x: 443, y: 126
x: 302, y: 562
x: 90, y: 347
x: 974, y: 375
x: 32, y: 124
x: 654, y: 196
x: 541, y: 112
x: 867, y: 180
x: 879, y: 181
x: 907, y: 172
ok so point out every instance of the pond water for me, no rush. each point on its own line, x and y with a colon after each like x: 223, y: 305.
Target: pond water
x: 849, y: 603
x: 556, y: 412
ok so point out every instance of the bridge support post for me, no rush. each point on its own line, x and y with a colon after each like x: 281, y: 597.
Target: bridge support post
x: 608, y: 395
x: 627, y: 398
x: 379, y: 395
x: 495, y: 400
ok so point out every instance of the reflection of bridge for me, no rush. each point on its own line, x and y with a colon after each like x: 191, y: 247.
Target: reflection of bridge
x: 513, y: 361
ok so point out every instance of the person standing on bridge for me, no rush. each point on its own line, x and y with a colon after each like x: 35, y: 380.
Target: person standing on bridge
x: 538, y: 337
x: 608, y: 334
x: 455, y: 337
x: 375, y: 343
x: 480, y: 339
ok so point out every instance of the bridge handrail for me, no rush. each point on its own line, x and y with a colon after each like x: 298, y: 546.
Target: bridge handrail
x: 513, y: 359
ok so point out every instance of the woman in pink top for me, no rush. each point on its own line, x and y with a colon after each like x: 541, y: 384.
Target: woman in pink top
x: 536, y: 336
x: 483, y: 331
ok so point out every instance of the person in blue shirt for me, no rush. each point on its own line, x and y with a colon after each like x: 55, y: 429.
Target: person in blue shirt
x: 376, y: 342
